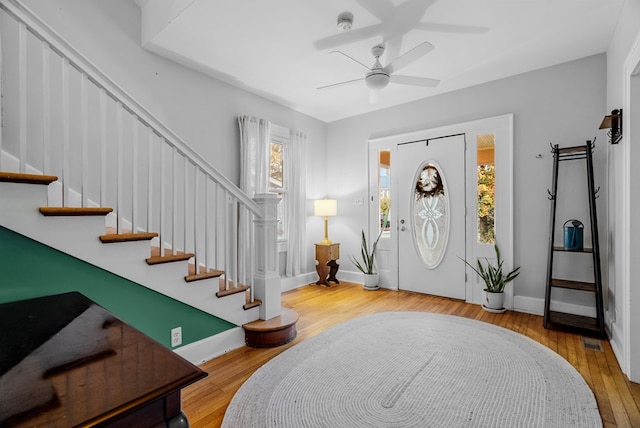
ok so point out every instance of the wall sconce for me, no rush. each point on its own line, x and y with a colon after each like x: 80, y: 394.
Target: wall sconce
x: 613, y: 122
x: 325, y: 208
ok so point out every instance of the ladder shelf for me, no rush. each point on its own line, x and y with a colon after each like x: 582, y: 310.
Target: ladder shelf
x: 592, y: 326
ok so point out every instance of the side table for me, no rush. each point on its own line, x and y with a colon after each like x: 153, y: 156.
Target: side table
x: 327, y: 267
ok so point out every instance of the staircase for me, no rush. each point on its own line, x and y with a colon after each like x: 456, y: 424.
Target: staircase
x: 85, y: 169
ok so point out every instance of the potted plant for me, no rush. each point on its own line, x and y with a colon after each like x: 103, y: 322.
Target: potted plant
x: 495, y: 280
x: 366, y: 265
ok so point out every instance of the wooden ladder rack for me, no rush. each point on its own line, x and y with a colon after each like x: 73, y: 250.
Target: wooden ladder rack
x: 584, y: 324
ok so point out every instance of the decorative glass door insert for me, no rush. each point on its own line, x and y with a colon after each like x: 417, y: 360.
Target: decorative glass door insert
x: 431, y: 214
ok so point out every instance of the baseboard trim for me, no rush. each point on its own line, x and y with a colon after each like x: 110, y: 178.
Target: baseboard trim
x: 211, y: 347
x: 533, y: 305
x: 293, y: 282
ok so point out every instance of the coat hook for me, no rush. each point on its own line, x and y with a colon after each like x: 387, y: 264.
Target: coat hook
x: 551, y: 195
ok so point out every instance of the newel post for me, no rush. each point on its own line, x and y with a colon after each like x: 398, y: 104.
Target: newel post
x: 266, y: 277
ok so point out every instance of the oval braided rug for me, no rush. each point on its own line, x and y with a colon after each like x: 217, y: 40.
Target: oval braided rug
x: 415, y: 369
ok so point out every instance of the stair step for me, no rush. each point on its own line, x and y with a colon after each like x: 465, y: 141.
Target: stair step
x: 232, y: 290
x: 127, y: 237
x: 17, y: 177
x: 156, y: 260
x: 213, y: 273
x: 74, y: 211
x: 274, y: 332
x: 253, y: 304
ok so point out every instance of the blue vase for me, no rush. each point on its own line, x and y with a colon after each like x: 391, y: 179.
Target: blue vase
x: 573, y: 232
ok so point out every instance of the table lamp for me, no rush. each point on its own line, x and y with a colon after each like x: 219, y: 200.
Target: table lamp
x: 325, y: 208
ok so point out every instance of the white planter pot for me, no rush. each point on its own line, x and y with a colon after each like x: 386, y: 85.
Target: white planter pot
x: 493, y: 302
x: 371, y: 281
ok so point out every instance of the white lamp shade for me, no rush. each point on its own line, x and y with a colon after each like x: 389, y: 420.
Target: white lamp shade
x: 325, y: 207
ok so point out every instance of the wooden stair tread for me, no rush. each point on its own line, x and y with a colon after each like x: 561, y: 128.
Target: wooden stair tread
x: 286, y: 318
x: 127, y: 237
x: 17, y: 177
x: 274, y: 332
x: 213, y: 273
x: 74, y: 211
x: 253, y: 304
x: 156, y: 260
x: 232, y: 290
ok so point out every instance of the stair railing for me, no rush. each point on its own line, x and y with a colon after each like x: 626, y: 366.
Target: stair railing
x: 55, y: 102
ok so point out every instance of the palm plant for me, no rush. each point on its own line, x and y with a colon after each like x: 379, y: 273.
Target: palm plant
x: 368, y: 255
x: 494, y: 279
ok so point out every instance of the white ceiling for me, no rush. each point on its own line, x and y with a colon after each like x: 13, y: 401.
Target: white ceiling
x: 267, y: 47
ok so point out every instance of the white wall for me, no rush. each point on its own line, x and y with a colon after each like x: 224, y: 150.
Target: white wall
x: 201, y: 110
x: 561, y: 105
x: 624, y: 199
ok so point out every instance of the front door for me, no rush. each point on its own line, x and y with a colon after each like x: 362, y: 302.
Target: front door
x: 431, y: 216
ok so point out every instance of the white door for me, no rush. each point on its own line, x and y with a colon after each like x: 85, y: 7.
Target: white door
x: 431, y: 216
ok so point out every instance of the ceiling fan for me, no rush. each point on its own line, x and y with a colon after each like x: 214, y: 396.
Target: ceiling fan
x: 378, y: 77
x: 395, y: 22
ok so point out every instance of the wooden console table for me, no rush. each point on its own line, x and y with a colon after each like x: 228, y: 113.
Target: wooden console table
x: 67, y: 362
x: 327, y: 267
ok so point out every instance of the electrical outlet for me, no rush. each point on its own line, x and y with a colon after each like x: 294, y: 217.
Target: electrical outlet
x: 176, y: 336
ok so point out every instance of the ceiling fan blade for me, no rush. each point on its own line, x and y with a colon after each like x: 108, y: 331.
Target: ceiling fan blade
x: 409, y: 57
x: 381, y: 9
x: 414, y: 80
x: 451, y: 28
x: 348, y: 37
x: 352, y: 59
x: 335, y: 85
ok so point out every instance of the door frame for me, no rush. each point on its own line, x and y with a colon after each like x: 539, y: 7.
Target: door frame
x: 502, y: 126
x: 626, y: 343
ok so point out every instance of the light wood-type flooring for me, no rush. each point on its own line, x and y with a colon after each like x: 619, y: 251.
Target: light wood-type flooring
x: 320, y: 307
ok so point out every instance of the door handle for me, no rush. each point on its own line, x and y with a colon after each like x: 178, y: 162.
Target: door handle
x: 402, y: 228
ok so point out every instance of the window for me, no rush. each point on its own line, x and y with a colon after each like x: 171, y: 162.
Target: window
x: 384, y: 186
x: 486, y: 189
x: 277, y: 172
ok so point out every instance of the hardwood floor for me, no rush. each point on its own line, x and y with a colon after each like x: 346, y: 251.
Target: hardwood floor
x: 320, y: 307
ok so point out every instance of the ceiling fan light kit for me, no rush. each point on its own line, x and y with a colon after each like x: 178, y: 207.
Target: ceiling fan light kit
x: 377, y: 80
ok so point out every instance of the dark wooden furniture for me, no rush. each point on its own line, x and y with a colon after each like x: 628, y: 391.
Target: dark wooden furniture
x: 327, y: 267
x: 67, y: 362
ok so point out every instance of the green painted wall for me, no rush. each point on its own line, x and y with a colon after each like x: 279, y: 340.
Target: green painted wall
x: 30, y: 269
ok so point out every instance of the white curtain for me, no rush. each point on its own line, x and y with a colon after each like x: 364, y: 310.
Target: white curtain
x: 295, y: 179
x: 255, y: 140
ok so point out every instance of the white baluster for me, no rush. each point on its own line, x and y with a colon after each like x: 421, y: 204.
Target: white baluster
x: 66, y: 133
x: 46, y: 107
x: 120, y: 166
x: 102, y: 112
x: 22, y: 86
x: 134, y: 175
x: 84, y: 132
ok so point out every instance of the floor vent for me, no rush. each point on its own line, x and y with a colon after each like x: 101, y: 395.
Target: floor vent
x: 592, y: 344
